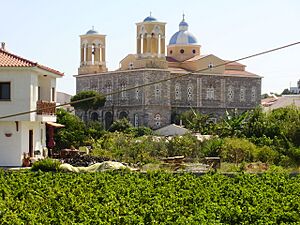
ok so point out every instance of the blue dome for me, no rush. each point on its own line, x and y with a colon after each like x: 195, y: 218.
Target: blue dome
x: 92, y: 32
x: 183, y: 38
x: 183, y: 23
x: 150, y: 19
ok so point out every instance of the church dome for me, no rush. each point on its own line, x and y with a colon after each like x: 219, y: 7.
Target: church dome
x: 183, y: 36
x: 150, y: 19
x: 92, y: 32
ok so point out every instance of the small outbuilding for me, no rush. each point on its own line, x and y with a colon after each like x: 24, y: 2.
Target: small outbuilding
x: 172, y: 130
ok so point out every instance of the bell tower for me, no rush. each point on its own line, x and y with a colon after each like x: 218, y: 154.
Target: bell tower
x: 92, y: 53
x: 150, y: 41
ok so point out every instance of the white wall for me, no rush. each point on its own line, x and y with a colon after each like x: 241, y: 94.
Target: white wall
x: 12, y: 148
x: 20, y: 93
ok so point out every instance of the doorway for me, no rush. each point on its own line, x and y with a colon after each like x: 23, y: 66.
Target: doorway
x: 30, y: 143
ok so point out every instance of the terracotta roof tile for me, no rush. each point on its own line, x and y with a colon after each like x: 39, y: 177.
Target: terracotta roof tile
x: 239, y: 73
x: 8, y: 59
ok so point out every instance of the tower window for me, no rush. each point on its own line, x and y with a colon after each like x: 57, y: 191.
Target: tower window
x: 181, y: 51
x: 171, y: 52
x: 194, y: 51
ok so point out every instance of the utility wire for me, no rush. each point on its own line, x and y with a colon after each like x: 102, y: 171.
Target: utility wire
x: 156, y: 82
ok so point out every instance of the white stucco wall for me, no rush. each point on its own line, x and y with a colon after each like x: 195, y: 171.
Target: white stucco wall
x: 13, y: 147
x: 20, y: 93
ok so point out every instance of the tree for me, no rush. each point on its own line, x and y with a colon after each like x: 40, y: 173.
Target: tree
x: 73, y: 134
x: 286, y: 92
x: 120, y: 125
x: 96, y: 100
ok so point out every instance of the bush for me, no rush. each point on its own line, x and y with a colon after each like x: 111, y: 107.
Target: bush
x: 186, y: 145
x: 212, y: 147
x: 237, y: 150
x: 266, y: 154
x: 46, y: 165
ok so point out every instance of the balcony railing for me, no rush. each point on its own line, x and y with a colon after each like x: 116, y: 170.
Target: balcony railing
x: 45, y: 108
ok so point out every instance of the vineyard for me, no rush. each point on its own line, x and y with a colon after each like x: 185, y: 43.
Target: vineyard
x: 151, y: 198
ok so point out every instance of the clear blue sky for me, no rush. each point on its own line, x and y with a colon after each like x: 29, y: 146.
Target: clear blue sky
x: 48, y: 32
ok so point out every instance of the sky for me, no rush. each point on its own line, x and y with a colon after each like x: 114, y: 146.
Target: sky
x: 47, y: 32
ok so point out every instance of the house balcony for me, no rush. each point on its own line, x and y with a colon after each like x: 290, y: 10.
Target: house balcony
x: 46, y: 111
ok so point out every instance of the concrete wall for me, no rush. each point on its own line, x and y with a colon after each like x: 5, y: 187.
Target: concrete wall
x: 12, y: 147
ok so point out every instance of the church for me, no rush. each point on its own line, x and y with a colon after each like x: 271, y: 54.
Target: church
x: 158, y: 82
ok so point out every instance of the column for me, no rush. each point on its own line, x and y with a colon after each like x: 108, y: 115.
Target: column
x: 138, y: 45
x: 148, y: 43
x: 82, y: 55
x: 97, y: 54
x: 103, y: 54
x: 162, y: 45
x: 89, y: 54
x: 144, y: 43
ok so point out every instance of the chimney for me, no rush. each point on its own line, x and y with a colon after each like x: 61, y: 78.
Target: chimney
x: 3, y: 45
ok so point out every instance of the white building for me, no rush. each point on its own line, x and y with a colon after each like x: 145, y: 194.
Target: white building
x: 24, y: 86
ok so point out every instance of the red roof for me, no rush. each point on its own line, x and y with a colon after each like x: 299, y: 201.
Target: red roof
x: 8, y: 59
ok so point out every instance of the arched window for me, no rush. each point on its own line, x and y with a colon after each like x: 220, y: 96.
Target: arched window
x: 94, y: 116
x: 253, y: 94
x: 137, y: 94
x: 230, y: 94
x: 108, y: 118
x: 210, y: 93
x: 123, y: 115
x: 157, y: 120
x: 242, y: 94
x: 177, y: 91
x: 190, y: 92
x: 157, y: 91
x: 136, y: 120
x: 108, y: 90
x: 123, y: 88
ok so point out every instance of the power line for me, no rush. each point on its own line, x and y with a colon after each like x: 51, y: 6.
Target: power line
x: 159, y: 81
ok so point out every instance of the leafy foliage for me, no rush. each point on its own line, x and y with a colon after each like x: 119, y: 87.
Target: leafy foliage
x: 76, y: 132
x: 151, y: 198
x: 96, y: 100
x: 46, y: 165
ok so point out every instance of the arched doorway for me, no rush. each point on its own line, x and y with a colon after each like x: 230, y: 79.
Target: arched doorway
x: 123, y: 115
x: 94, y: 116
x: 108, y: 118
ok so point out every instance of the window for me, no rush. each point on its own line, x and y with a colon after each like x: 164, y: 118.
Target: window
x: 177, y: 91
x: 157, y: 92
x: 210, y: 65
x: 210, y: 93
x: 171, y: 52
x: 194, y: 51
x: 230, y: 94
x: 130, y: 65
x: 253, y: 94
x: 136, y: 120
x: 137, y: 94
x: 181, y: 51
x: 242, y: 94
x: 123, y: 88
x: 108, y: 90
x: 53, y: 94
x: 157, y: 119
x: 189, y: 92
x: 4, y: 91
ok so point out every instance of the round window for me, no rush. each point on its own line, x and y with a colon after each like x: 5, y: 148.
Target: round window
x: 181, y: 51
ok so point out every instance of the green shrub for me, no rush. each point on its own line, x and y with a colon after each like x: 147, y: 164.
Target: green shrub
x: 212, y: 147
x: 237, y: 150
x: 266, y: 154
x: 46, y: 165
